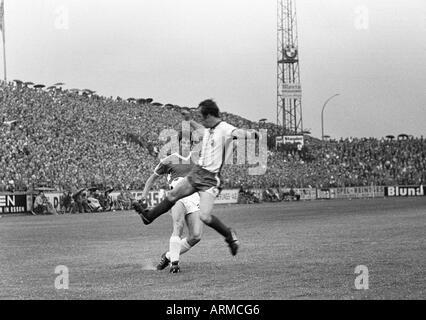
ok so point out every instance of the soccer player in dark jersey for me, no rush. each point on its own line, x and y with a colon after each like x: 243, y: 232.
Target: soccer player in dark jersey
x: 176, y: 167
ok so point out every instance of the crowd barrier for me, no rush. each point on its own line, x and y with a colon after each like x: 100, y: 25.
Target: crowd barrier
x: 350, y: 193
x: 54, y: 198
x: 227, y: 196
x: 11, y: 203
x: 15, y: 203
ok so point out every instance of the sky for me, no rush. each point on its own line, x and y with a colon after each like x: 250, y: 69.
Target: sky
x: 371, y: 52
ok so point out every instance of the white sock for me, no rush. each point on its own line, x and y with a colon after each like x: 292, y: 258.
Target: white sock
x: 174, y: 248
x: 184, y: 246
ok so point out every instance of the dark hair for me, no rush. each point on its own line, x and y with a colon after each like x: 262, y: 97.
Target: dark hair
x: 209, y: 107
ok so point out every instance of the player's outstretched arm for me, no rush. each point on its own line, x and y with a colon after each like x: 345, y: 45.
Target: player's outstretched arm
x: 149, y: 184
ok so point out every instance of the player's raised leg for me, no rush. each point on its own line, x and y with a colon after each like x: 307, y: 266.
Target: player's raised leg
x: 182, y: 190
x: 206, y: 206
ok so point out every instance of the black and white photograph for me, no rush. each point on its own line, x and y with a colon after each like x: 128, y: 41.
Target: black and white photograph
x: 212, y: 155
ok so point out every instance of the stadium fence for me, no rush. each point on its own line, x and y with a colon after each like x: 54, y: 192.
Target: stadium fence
x: 21, y: 202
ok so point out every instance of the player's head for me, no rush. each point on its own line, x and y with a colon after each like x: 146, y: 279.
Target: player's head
x: 210, y: 113
x: 185, y: 141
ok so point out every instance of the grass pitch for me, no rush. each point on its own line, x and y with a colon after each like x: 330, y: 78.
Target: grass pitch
x: 303, y: 250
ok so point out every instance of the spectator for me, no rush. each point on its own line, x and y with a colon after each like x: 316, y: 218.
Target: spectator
x: 66, y: 202
x: 78, y: 202
x: 85, y: 201
x: 40, y: 204
x: 71, y: 140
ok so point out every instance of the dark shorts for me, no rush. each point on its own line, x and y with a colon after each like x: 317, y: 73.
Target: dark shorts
x: 204, y: 180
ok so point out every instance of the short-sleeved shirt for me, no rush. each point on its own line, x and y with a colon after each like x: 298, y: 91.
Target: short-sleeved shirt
x: 175, y: 166
x: 216, y: 142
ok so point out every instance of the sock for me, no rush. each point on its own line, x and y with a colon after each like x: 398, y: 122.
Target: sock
x: 184, y: 246
x: 216, y: 224
x: 160, y: 209
x: 174, y: 248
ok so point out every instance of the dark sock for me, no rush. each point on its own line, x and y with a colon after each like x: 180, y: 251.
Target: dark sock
x: 160, y: 209
x: 218, y: 225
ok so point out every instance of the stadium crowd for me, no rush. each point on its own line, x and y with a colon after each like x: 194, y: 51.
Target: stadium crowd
x: 68, y: 140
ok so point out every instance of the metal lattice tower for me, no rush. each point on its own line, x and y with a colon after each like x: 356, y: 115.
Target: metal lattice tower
x: 289, y: 90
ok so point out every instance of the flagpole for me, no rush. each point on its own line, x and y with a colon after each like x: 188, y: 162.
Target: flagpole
x: 4, y: 40
x: 4, y: 54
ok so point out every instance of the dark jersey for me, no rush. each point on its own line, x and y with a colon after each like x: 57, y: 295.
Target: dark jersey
x: 175, y: 166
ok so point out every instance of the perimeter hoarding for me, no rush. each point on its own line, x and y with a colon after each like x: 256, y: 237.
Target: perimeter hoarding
x: 13, y: 203
x: 405, y: 191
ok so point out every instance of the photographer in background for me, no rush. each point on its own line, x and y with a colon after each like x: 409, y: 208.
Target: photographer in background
x: 294, y: 195
x: 78, y: 202
x: 66, y: 202
x: 39, y: 206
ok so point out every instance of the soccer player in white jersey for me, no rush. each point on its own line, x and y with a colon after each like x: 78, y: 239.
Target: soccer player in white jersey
x: 204, y: 177
x: 186, y: 210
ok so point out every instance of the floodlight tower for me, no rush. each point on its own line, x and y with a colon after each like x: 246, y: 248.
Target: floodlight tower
x: 289, y: 90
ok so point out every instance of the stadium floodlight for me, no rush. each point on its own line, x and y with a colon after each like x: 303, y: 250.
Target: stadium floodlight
x: 322, y: 113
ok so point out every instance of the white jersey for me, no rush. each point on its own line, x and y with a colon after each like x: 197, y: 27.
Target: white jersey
x: 216, y: 143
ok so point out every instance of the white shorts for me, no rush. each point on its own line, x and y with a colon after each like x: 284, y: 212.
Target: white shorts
x: 191, y: 203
